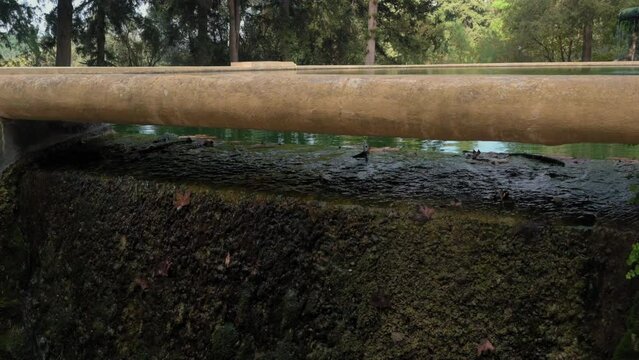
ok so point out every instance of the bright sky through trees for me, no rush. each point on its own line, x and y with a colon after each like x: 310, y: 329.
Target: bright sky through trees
x: 196, y: 32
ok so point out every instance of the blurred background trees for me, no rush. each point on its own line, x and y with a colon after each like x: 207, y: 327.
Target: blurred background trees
x: 215, y: 32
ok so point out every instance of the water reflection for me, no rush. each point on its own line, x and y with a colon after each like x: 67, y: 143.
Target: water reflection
x: 583, y: 151
x: 606, y: 70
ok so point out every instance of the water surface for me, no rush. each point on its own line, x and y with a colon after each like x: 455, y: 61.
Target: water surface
x: 604, y: 70
x: 582, y: 151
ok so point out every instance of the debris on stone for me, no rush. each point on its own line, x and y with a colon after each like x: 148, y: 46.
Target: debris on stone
x: 142, y: 282
x: 164, y: 268
x: 182, y: 199
x: 425, y: 213
x: 227, y: 260
x: 541, y: 158
x: 485, y: 347
x: 455, y: 203
x: 397, y: 337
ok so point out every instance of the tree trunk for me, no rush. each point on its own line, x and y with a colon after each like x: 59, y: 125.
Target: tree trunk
x: 284, y: 28
x: 202, y: 42
x: 100, y: 29
x: 632, y: 51
x: 570, y: 44
x: 64, y: 32
x: 586, y: 54
x: 372, y: 28
x: 234, y: 29
x: 238, y: 22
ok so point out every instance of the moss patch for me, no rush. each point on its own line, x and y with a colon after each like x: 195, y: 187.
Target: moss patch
x: 14, y: 266
x: 628, y: 347
x: 124, y: 274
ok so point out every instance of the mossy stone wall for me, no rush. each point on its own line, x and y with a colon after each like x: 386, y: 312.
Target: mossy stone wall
x: 118, y: 271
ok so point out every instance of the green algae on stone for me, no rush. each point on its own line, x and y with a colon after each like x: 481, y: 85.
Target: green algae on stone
x: 628, y: 347
x: 224, y: 342
x: 14, y: 266
x: 305, y: 277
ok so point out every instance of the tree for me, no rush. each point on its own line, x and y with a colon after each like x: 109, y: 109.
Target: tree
x: 64, y: 32
x: 15, y: 22
x: 372, y: 28
x: 284, y: 22
x: 197, y: 31
x: 95, y: 18
x: 138, y: 44
x: 560, y: 30
x: 234, y: 29
x: 203, y: 41
x: 468, y: 31
x: 403, y: 33
x: 306, y: 32
x: 19, y: 43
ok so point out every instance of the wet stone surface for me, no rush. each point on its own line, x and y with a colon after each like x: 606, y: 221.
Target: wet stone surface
x: 579, y: 192
x: 192, y: 249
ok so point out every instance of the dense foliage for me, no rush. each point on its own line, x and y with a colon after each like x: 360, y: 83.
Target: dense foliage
x: 196, y: 32
x: 633, y: 262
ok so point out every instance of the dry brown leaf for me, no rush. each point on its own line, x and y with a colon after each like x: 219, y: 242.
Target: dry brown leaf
x: 485, y: 347
x: 227, y: 260
x: 425, y: 213
x: 397, y: 337
x: 182, y: 199
x: 142, y: 282
x: 164, y: 268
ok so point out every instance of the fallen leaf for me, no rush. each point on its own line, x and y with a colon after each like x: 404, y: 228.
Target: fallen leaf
x: 485, y: 347
x: 164, y: 268
x: 397, y: 337
x: 182, y: 199
x: 142, y: 282
x: 425, y: 213
x: 227, y: 260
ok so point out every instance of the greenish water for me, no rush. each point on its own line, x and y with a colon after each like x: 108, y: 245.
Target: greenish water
x: 628, y: 70
x: 581, y: 151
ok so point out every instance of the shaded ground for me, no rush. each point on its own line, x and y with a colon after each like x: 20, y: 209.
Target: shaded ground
x: 180, y: 250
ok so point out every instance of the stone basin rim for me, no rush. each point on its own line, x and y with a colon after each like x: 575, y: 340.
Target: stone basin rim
x: 538, y: 109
